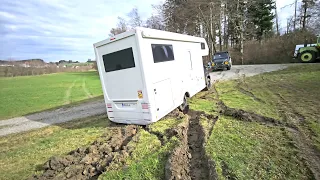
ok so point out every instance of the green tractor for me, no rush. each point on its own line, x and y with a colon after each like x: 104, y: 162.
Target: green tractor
x: 308, y: 54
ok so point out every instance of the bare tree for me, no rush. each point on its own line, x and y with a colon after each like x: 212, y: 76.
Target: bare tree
x: 295, y: 14
x: 314, y: 21
x: 155, y: 22
x: 135, y: 19
x: 121, y: 27
x: 305, y: 12
x: 277, y: 18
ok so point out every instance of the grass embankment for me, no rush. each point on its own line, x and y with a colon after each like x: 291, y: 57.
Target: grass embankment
x: 252, y: 150
x: 23, y: 95
x: 23, y: 154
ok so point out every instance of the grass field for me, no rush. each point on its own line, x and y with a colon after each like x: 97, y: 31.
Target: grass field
x: 287, y: 148
x: 251, y: 150
x: 23, y: 95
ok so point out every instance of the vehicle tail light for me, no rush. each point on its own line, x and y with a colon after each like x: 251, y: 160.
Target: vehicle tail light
x: 145, y: 105
x: 109, y: 105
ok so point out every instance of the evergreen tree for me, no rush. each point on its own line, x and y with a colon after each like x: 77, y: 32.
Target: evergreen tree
x: 261, y: 15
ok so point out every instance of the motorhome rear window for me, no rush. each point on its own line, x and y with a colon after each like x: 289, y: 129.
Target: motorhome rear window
x: 118, y: 60
x: 162, y: 52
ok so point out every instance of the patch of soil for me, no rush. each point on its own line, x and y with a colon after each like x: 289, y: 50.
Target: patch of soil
x: 299, y: 118
x: 176, y: 114
x: 199, y: 168
x: 189, y: 161
x: 242, y: 115
x: 90, y: 162
x: 177, y: 166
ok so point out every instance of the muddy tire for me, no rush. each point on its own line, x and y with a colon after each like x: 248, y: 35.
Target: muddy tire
x: 228, y: 68
x: 184, y: 107
x: 208, y: 84
x: 307, y: 57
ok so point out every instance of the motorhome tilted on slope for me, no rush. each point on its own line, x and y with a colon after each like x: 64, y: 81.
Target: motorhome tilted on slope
x: 146, y: 73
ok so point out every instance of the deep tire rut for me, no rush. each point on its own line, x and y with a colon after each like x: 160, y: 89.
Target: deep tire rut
x: 189, y: 160
x: 199, y: 168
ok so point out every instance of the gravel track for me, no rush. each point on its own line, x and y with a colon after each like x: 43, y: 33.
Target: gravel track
x: 47, y: 118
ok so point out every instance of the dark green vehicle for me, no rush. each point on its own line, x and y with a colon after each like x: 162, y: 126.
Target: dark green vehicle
x: 221, y: 60
x: 309, y: 54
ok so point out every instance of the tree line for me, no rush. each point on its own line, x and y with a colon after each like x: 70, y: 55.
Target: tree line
x: 251, y: 30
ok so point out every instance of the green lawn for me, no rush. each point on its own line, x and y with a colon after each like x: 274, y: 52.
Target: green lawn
x: 23, y: 95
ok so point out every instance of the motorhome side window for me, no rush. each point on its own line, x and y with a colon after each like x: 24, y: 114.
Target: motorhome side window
x: 118, y: 60
x: 203, y: 46
x: 162, y: 52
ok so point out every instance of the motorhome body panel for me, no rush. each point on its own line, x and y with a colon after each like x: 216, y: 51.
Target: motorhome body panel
x: 164, y: 71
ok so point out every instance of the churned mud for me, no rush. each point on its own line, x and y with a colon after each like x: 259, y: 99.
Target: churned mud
x: 90, y: 162
x: 243, y: 115
x: 189, y: 160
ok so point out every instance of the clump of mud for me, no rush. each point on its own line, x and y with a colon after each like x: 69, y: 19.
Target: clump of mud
x: 249, y: 116
x: 189, y: 160
x: 90, y: 162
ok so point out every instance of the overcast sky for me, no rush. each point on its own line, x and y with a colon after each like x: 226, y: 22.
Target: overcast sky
x: 66, y: 29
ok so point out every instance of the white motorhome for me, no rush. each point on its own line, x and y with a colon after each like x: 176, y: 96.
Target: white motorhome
x: 147, y: 73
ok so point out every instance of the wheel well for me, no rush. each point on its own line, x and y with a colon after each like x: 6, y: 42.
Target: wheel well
x: 187, y: 94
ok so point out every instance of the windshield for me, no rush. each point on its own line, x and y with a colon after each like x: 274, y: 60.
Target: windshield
x: 220, y: 56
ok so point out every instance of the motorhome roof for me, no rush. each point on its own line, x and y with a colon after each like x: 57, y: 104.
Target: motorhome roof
x: 151, y: 33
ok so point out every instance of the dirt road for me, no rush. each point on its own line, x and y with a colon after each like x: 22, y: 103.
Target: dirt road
x: 47, y: 118
x: 246, y: 70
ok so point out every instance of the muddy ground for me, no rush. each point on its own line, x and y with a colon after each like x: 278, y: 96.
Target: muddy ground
x: 91, y: 161
x: 188, y: 160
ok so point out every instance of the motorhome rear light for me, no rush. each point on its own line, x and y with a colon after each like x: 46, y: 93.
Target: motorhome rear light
x: 145, y: 105
x: 109, y: 105
x: 111, y: 39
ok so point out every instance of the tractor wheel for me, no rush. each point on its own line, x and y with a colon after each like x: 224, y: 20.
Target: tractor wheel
x: 307, y: 57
